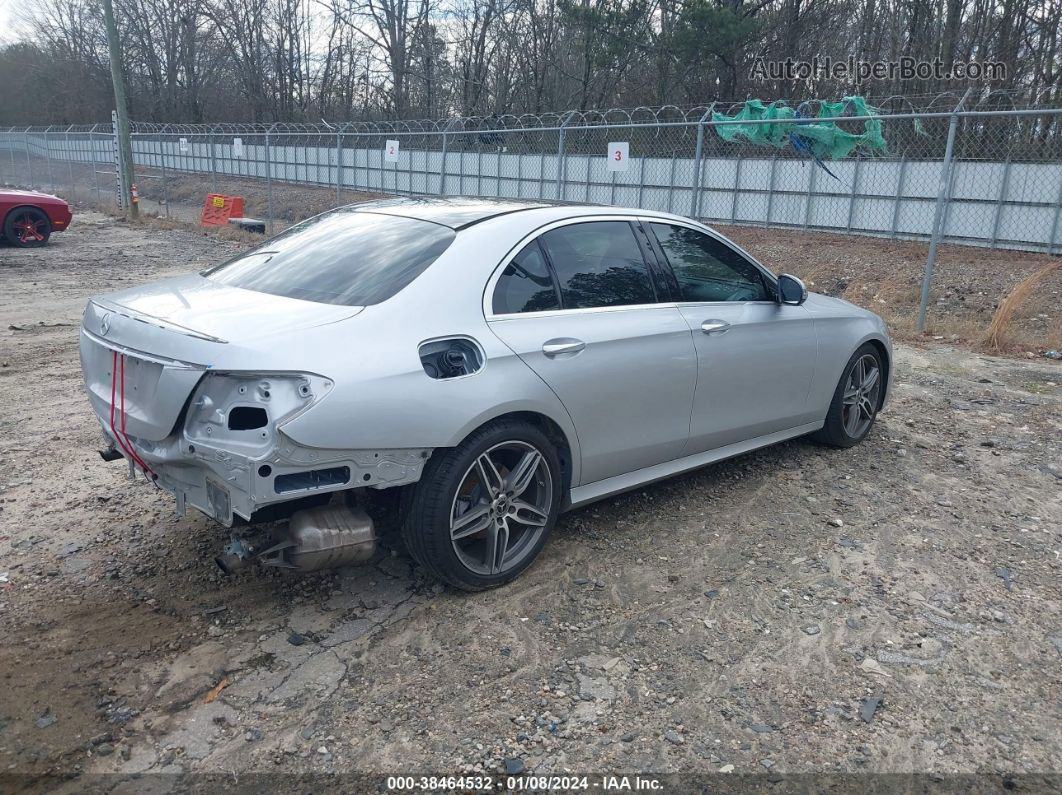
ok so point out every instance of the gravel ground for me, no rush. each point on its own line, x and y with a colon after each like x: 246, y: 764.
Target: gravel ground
x: 894, y: 608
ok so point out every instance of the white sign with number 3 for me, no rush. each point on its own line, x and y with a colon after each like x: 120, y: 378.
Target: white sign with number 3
x: 618, y: 154
x: 391, y: 151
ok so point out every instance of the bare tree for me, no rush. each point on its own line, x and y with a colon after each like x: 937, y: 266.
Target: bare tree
x: 195, y: 60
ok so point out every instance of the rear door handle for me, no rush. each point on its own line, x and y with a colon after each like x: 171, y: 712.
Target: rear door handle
x: 715, y: 327
x: 561, y: 346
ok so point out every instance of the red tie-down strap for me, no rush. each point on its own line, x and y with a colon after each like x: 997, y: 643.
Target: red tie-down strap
x: 118, y: 383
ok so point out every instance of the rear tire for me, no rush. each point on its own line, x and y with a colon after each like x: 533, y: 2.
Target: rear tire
x: 856, y: 400
x: 27, y: 227
x: 482, y: 511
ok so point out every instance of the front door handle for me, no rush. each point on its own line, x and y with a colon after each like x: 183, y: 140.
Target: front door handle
x: 559, y: 347
x: 715, y: 327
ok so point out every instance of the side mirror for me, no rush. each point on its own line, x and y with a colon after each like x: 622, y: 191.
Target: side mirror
x: 791, y: 290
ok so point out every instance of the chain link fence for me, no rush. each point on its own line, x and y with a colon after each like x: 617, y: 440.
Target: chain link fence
x: 985, y: 176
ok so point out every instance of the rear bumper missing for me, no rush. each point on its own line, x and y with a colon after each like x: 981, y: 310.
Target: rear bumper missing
x: 225, y: 484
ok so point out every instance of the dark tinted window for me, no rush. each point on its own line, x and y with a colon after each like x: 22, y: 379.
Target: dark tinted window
x: 526, y: 284
x: 598, y: 264
x: 341, y: 257
x: 707, y: 269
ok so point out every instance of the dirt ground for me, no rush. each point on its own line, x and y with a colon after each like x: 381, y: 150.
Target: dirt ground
x: 894, y: 608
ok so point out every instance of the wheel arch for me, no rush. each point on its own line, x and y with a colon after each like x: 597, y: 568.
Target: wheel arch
x: 566, y: 450
x: 14, y: 209
x: 886, y: 364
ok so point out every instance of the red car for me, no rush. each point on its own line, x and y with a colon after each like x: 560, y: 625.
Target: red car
x: 28, y: 218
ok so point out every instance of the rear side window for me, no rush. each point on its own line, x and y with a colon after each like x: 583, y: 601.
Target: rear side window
x: 341, y: 257
x: 597, y: 264
x: 526, y: 284
x: 708, y: 269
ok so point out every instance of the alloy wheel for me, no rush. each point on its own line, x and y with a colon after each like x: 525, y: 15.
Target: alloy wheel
x: 501, y: 508
x: 29, y: 227
x: 861, y: 393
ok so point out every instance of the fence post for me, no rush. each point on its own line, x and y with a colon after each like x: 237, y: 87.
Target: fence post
x: 899, y: 196
x: 442, y: 166
x: 671, y: 182
x: 695, y: 200
x: 269, y: 179
x: 95, y: 173
x: 165, y: 176
x: 121, y: 188
x: 339, y: 160
x: 29, y: 160
x: 770, y: 193
x: 586, y: 189
x: 1004, y: 185
x: 852, y: 193
x: 641, y: 180
x: 938, y: 213
x: 213, y: 165
x: 562, y: 158
x: 737, y: 190
x: 442, y: 163
x: 68, y: 153
x: 519, y: 175
x: 48, y: 158
x: 354, y: 178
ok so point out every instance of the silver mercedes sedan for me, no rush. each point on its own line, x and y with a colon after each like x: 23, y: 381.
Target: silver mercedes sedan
x: 493, y: 363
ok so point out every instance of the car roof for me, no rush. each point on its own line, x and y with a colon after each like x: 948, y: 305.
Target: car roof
x: 457, y: 212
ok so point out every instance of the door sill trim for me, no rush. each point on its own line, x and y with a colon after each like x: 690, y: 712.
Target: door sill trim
x: 582, y: 495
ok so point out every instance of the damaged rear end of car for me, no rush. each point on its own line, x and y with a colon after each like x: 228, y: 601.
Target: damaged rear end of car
x: 211, y: 434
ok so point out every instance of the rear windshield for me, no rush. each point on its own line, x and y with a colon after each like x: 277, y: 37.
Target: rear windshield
x: 341, y: 257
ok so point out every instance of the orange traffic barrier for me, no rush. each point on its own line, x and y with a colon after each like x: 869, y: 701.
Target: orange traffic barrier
x: 218, y: 209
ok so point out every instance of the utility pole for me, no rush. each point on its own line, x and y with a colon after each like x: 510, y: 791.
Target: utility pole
x: 124, y: 144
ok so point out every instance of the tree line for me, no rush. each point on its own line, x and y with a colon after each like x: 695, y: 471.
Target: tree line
x: 306, y: 60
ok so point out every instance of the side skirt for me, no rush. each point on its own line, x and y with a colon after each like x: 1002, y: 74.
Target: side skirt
x: 581, y: 495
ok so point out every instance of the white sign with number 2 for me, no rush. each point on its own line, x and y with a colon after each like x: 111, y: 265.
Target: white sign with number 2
x: 618, y: 154
x: 391, y: 151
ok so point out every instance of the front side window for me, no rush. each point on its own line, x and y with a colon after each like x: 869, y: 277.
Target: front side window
x: 526, y: 285
x: 598, y: 263
x: 707, y: 269
x: 342, y: 257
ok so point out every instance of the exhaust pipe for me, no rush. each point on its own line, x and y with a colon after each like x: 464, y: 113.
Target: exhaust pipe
x: 323, y: 538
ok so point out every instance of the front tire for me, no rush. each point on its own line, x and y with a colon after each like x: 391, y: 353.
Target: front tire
x: 483, y: 510
x: 856, y: 400
x: 27, y: 227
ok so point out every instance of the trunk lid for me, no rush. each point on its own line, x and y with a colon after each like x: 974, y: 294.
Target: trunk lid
x: 168, y: 334
x: 198, y: 307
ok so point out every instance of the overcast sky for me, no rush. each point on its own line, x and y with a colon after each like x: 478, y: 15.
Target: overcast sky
x: 9, y: 18
x: 5, y: 21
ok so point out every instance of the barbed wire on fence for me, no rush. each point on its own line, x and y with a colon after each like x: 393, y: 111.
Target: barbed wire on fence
x: 1000, y: 99
x: 988, y: 174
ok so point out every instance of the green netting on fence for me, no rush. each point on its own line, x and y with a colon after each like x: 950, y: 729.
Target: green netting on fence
x: 805, y: 132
